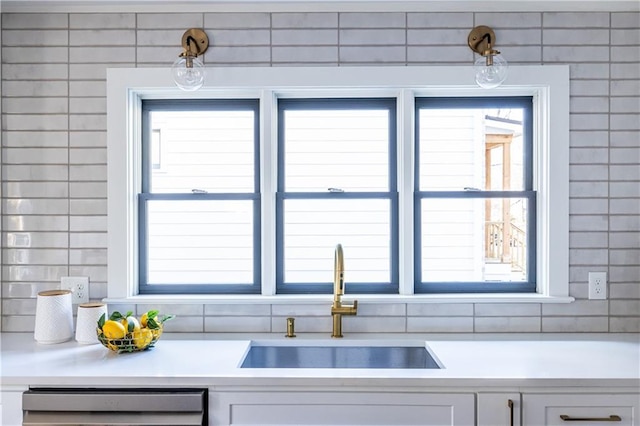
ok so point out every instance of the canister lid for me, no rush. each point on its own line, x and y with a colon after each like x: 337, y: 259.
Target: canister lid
x: 54, y: 292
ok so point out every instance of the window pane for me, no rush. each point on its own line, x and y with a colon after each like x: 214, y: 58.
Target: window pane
x: 200, y: 242
x: 345, y: 149
x: 314, y: 227
x: 208, y: 150
x: 474, y: 239
x: 471, y: 148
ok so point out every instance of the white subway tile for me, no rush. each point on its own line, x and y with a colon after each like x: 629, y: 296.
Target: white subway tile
x: 237, y: 324
x: 87, y: 105
x: 624, y: 223
x: 588, y: 189
x: 303, y: 325
x: 96, y: 37
x: 34, y: 88
x: 624, y: 155
x: 444, y: 20
x: 589, y: 121
x: 431, y: 37
x: 625, y: 54
x: 35, y: 156
x: 304, y: 37
x: 34, y: 55
x: 591, y: 223
x: 624, y: 172
x: 304, y: 20
x: 164, y: 37
x: 625, y: 121
x: 87, y: 240
x: 624, y: 325
x: 380, y: 37
x: 185, y: 324
x: 588, y: 156
x: 436, y: 309
x: 254, y: 37
x: 87, y: 207
x: 32, y: 172
x: 35, y: 256
x: 628, y: 71
x: 233, y: 309
x: 625, y: 257
x: 584, y: 104
x: 18, y: 306
x: 88, y: 173
x: 588, y: 256
x: 625, y: 19
x: 563, y: 54
x: 622, y: 274
x: 507, y: 309
x: 24, y: 290
x: 162, y: 55
x: 357, y: 324
x: 305, y: 54
x: 35, y: 105
x: 90, y: 139
x: 507, y: 325
x: 34, y: 71
x: 36, y: 239
x: 373, y: 54
x: 618, y: 87
x: 32, y: 122
x: 89, y: 89
x: 589, y: 138
x: 36, y: 189
x: 381, y: 309
x: 34, y: 21
x: 624, y: 290
x: 88, y: 223
x: 372, y: 20
x: 518, y: 37
x: 625, y: 37
x: 575, y: 324
x: 439, y: 324
x: 47, y: 273
x: 629, y: 105
x: 588, y: 240
x: 178, y: 309
x: 589, y: 70
x: 237, y: 20
x: 84, y: 55
x: 87, y: 122
x: 588, y: 172
x: 102, y: 20
x: 508, y: 20
x: 95, y: 71
x: 35, y: 38
x: 18, y: 323
x: 35, y: 206
x: 524, y: 54
x: 575, y: 19
x: 589, y: 206
x: 241, y: 54
x: 88, y: 156
x: 95, y: 273
x: 622, y: 240
x: 88, y: 257
x: 436, y: 54
x: 170, y: 21
x: 301, y: 309
x: 577, y: 37
x: 88, y: 189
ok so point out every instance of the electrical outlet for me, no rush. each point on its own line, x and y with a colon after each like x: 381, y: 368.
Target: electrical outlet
x: 597, y: 285
x: 79, y: 287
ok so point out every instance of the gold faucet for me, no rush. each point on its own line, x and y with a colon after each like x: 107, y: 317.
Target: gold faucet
x: 338, y: 309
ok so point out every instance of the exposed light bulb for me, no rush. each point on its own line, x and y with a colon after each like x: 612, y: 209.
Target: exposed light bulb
x: 493, y: 75
x: 188, y: 73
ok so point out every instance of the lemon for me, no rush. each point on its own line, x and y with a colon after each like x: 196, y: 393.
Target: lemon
x: 113, y: 330
x: 142, y: 338
x: 130, y: 324
x: 144, y: 319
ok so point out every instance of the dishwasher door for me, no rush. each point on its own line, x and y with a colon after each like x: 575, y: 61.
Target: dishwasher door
x: 94, y: 406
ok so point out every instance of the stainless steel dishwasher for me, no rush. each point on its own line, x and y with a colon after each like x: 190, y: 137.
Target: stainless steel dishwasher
x: 95, y: 406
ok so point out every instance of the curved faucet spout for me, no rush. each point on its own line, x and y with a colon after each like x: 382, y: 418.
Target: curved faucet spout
x: 338, y: 273
x: 338, y: 309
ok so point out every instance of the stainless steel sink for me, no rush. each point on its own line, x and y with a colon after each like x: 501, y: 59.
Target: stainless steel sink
x: 353, y: 355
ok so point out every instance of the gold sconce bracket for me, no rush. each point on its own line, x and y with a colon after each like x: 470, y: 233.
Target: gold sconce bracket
x: 194, y: 42
x: 481, y: 39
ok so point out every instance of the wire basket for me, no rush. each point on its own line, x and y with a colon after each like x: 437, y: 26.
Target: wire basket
x: 136, y: 341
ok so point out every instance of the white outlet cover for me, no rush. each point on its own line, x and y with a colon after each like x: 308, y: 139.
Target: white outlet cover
x: 79, y: 287
x: 597, y: 285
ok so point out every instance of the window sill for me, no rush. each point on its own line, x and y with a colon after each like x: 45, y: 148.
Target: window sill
x: 323, y: 299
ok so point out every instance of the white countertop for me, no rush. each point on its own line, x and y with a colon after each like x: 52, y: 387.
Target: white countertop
x: 208, y: 360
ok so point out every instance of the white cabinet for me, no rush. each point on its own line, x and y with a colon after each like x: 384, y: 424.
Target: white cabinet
x: 341, y: 408
x: 580, y: 409
x: 498, y: 409
x: 11, y: 405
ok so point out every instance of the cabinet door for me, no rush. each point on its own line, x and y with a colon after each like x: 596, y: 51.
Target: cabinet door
x: 579, y: 410
x: 11, y: 407
x: 499, y: 409
x: 340, y: 408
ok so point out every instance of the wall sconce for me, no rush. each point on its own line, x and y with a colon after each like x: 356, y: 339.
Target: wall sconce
x: 188, y: 71
x: 490, y: 68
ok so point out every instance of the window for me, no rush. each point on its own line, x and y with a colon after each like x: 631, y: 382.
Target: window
x: 474, y: 199
x: 199, y: 218
x: 279, y: 172
x: 337, y: 184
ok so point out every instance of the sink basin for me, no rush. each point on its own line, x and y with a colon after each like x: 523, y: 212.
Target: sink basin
x: 353, y: 355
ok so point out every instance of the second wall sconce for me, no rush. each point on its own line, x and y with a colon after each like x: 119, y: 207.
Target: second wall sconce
x: 188, y: 70
x: 490, y: 68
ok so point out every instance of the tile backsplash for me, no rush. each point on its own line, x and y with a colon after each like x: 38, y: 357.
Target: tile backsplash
x: 54, y: 178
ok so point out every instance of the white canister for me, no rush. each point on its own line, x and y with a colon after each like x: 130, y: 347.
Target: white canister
x: 87, y: 321
x: 54, y: 317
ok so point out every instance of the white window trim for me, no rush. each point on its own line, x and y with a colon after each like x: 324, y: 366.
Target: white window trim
x: 549, y: 85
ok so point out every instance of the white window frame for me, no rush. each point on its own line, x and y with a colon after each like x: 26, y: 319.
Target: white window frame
x: 548, y: 85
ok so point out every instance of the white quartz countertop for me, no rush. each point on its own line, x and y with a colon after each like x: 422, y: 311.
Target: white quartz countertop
x: 211, y: 361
